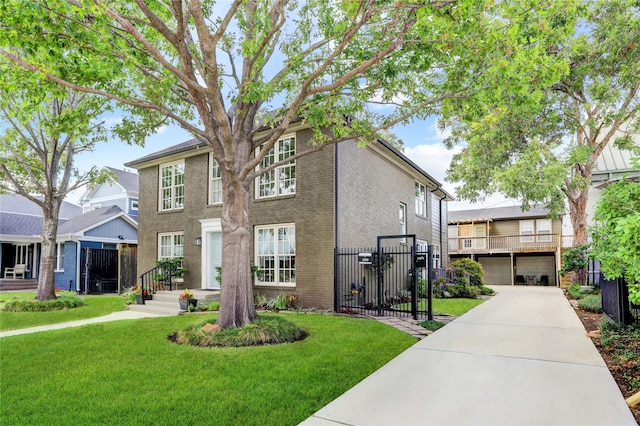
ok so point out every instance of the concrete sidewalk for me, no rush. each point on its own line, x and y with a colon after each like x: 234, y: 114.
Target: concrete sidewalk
x: 521, y: 358
x: 114, y: 316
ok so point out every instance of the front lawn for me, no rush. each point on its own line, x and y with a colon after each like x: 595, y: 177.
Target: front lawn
x: 127, y: 373
x: 454, y: 306
x: 95, y: 306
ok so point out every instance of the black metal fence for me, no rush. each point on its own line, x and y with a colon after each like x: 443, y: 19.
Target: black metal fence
x: 616, y: 304
x: 395, y: 284
x: 100, y: 271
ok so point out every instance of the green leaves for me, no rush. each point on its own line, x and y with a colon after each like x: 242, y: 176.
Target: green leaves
x: 616, y: 235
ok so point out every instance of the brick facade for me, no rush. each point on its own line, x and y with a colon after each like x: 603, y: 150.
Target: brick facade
x: 371, y: 186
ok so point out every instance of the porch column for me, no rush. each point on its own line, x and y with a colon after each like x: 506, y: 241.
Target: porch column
x: 512, y: 269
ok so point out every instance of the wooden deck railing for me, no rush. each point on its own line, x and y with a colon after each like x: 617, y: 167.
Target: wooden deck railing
x: 505, y: 244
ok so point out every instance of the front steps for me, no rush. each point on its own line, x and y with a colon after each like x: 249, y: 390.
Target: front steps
x: 167, y: 302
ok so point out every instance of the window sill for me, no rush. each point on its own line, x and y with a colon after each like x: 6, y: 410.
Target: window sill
x: 274, y: 198
x: 170, y: 211
x: 287, y: 285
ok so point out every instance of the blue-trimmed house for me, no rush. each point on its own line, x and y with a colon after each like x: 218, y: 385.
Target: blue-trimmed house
x: 107, y: 228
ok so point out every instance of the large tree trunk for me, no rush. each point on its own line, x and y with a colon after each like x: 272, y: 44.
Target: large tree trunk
x: 578, y: 215
x: 46, y: 284
x: 236, y: 298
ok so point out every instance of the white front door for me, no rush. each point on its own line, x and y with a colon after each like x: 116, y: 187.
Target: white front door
x: 214, y: 243
x: 211, y: 252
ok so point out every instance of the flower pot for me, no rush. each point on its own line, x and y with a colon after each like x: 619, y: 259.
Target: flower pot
x: 185, y: 303
x: 148, y: 297
x: 139, y: 299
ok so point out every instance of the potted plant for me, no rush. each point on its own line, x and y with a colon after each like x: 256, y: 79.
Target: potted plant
x: 140, y: 295
x: 187, y: 298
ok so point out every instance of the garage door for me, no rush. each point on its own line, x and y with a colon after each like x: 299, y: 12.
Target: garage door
x: 497, y: 270
x: 536, y: 267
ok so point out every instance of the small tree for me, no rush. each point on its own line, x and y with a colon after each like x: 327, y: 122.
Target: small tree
x: 616, y: 235
x: 471, y: 267
x: 44, y: 126
x: 576, y: 260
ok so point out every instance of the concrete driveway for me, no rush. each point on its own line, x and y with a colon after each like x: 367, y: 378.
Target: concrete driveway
x: 521, y: 358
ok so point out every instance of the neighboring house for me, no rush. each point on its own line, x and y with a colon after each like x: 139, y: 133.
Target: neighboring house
x: 21, y: 231
x: 105, y: 228
x: 122, y: 192
x: 612, y: 165
x: 514, y: 247
x: 341, y: 196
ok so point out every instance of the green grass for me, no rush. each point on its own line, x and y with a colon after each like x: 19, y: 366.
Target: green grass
x: 95, y: 306
x: 454, y: 306
x: 127, y: 373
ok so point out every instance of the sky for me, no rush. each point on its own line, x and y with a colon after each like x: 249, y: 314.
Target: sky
x: 423, y: 143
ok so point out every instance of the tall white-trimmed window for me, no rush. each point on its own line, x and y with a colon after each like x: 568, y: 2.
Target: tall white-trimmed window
x: 527, y: 229
x: 170, y: 245
x: 171, y: 186
x: 543, y: 226
x: 282, y: 179
x: 402, y: 219
x: 435, y: 255
x: 59, y: 257
x: 215, y: 181
x: 421, y: 200
x: 275, y: 254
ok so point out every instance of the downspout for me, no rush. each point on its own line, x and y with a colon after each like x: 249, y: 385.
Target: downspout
x: 336, y: 178
x: 336, y: 219
x: 440, y: 239
x: 78, y: 265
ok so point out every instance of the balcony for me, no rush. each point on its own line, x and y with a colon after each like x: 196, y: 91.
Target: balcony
x: 531, y: 243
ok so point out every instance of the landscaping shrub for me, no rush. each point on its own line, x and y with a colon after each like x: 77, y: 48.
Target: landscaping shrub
x: 467, y: 266
x: 486, y: 291
x: 463, y: 290
x: 432, y: 325
x: 577, y: 292
x: 264, y: 331
x: 591, y: 303
x: 423, y: 287
x: 32, y: 305
x: 279, y: 303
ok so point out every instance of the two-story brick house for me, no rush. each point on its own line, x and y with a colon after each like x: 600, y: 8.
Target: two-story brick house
x: 513, y: 246
x: 341, y: 196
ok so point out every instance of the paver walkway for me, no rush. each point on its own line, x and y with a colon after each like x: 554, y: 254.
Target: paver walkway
x: 520, y: 358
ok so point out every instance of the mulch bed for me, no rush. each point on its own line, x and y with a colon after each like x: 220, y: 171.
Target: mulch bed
x: 623, y: 368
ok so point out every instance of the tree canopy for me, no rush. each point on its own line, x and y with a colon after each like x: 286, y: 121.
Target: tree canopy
x: 236, y: 74
x: 536, y: 139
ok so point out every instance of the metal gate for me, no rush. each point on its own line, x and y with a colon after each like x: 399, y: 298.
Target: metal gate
x: 100, y: 271
x: 385, y: 280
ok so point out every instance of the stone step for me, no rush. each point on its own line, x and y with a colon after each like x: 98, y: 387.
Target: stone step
x: 203, y: 296
x: 167, y: 302
x: 158, y: 308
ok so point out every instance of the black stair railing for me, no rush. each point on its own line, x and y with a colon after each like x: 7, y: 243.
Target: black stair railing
x: 157, y: 278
